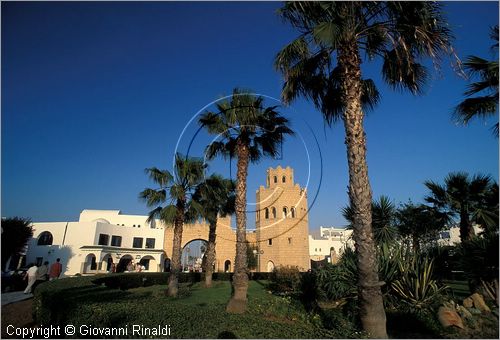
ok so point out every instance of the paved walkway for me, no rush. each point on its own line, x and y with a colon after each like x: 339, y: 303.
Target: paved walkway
x: 14, y: 297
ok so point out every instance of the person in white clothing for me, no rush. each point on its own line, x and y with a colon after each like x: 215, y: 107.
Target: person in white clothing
x: 32, y: 275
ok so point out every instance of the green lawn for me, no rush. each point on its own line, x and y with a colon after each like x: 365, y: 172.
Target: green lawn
x: 197, y: 313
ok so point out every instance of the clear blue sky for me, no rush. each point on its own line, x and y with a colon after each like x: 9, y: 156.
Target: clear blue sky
x: 93, y: 93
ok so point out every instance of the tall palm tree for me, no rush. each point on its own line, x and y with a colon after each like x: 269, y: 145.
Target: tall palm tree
x: 172, y: 200
x: 472, y: 199
x: 248, y: 131
x: 485, y: 105
x: 211, y: 199
x: 324, y: 65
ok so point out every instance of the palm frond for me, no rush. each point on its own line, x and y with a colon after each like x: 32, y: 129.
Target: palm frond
x: 153, y: 197
x: 160, y: 177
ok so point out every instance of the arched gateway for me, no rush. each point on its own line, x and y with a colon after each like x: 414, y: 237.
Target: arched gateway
x: 282, y: 227
x: 225, y: 247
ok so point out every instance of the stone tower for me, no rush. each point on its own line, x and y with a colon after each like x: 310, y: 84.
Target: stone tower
x: 282, y: 222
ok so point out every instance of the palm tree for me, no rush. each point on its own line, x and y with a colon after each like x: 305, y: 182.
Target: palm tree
x: 383, y: 220
x: 172, y: 200
x: 485, y: 105
x: 473, y: 200
x: 400, y: 33
x: 16, y: 232
x: 211, y: 199
x: 247, y: 130
x: 420, y: 223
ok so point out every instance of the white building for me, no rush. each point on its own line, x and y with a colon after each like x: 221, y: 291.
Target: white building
x: 98, y: 240
x: 451, y: 237
x: 330, y: 244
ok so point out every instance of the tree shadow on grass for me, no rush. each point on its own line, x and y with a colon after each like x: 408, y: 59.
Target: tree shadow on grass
x: 402, y: 325
x: 226, y: 335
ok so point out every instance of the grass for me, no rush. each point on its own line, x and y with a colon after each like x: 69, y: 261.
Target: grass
x: 198, y: 312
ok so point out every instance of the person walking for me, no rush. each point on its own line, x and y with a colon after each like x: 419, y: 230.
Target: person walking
x: 32, y: 275
x: 55, y: 270
x: 43, y: 272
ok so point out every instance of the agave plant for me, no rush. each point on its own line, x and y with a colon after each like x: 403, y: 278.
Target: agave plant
x: 415, y: 286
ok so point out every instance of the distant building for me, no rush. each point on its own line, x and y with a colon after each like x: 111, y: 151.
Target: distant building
x: 451, y: 236
x: 330, y: 243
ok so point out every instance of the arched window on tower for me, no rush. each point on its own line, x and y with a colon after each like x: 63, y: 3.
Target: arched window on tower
x: 285, y: 211
x: 292, y: 209
x: 274, y: 212
x: 267, y: 213
x: 283, y: 179
x: 275, y: 179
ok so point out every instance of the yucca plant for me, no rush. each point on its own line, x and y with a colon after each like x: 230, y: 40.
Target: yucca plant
x: 415, y: 287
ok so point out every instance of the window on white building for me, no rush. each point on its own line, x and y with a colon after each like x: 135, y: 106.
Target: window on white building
x: 116, y: 241
x: 150, y: 243
x: 137, y: 242
x: 103, y: 240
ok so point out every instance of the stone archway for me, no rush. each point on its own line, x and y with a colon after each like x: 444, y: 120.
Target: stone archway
x: 193, y: 255
x: 107, y: 262
x: 123, y: 263
x: 90, y: 263
x: 227, y: 266
x: 149, y: 263
x: 225, y: 244
x: 270, y: 266
x: 166, y: 264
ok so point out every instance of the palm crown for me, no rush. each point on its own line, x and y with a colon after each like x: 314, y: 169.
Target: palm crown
x: 398, y: 32
x: 486, y: 103
x: 243, y: 119
x: 213, y: 197
x: 473, y: 199
x: 172, y: 189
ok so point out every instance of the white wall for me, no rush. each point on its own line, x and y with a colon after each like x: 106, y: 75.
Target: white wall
x: 70, y: 237
x: 64, y: 247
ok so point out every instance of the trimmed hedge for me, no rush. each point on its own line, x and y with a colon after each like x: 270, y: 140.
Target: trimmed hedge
x: 126, y: 281
x: 52, y: 298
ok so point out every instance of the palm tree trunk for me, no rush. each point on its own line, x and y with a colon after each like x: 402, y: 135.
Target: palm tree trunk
x: 416, y: 244
x: 466, y: 230
x: 175, y: 267
x: 238, y: 301
x: 210, y: 258
x: 372, y: 311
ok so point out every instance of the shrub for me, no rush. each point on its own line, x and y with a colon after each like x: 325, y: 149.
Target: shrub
x: 52, y: 298
x: 334, y: 282
x: 415, y: 287
x: 222, y: 276
x: 285, y: 280
x: 478, y: 258
x: 259, y: 276
x: 126, y: 281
